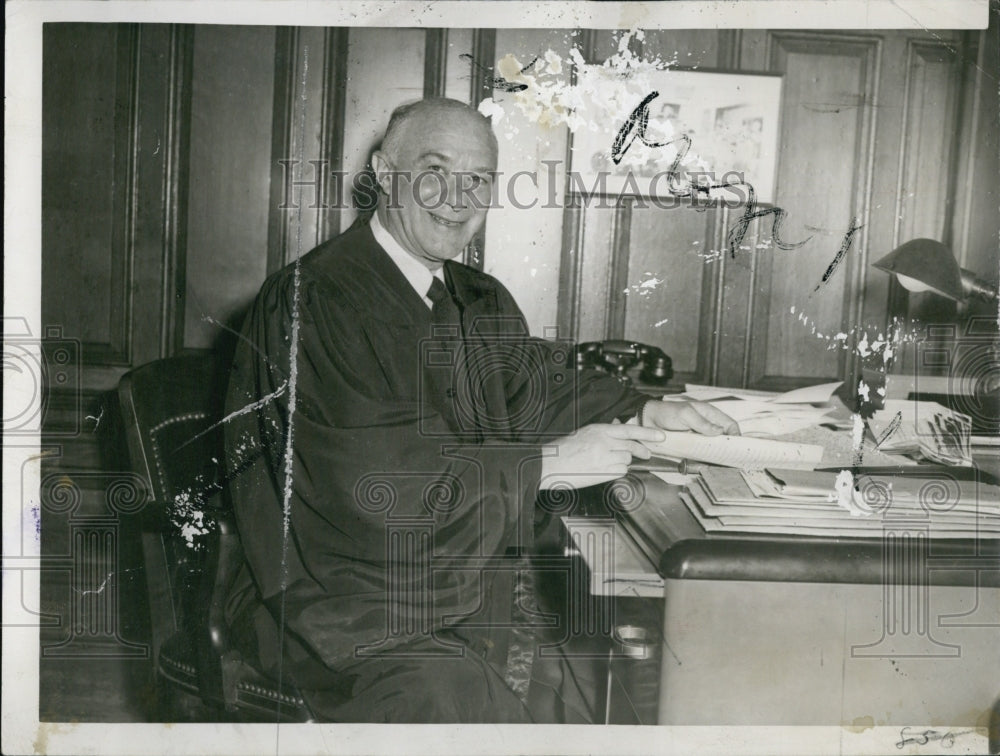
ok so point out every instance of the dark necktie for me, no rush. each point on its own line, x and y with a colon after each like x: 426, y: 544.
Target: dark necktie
x: 444, y: 311
x: 446, y: 338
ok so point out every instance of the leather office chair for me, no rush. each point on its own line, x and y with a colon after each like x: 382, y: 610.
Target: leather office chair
x: 171, y: 409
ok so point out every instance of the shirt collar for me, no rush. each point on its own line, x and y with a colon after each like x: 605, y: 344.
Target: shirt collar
x: 415, y: 272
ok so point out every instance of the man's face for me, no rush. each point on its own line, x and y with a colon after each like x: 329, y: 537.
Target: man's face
x: 446, y: 160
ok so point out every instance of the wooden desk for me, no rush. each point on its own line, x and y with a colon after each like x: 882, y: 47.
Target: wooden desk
x: 776, y: 630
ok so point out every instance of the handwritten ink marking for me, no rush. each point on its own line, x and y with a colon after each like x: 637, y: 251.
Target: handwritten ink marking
x: 739, y: 229
x: 946, y: 739
x: 530, y: 65
x: 825, y: 108
x: 499, y: 82
x: 635, y: 128
x: 844, y: 247
x: 638, y: 121
x: 890, y: 429
x: 36, y: 517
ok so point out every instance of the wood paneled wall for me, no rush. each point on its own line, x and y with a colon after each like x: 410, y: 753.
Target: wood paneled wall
x: 876, y: 133
x: 182, y: 164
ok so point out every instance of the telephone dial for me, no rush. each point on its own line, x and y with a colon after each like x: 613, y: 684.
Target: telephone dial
x: 617, y: 357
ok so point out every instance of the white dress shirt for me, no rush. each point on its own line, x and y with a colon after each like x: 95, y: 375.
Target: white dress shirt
x: 414, y: 271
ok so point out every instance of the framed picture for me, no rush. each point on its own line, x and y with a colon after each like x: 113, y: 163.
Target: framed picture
x: 730, y: 121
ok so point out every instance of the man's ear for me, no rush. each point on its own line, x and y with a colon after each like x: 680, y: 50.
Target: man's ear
x: 383, y: 171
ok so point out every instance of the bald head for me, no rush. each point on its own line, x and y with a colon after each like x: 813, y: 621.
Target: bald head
x: 429, y: 114
x: 436, y: 173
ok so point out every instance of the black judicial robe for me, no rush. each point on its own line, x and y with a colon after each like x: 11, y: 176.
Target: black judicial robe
x: 379, y: 450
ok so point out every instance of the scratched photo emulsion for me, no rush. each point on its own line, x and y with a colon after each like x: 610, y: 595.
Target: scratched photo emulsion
x: 495, y: 375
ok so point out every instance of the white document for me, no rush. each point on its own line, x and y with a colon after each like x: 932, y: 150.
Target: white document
x: 779, y: 424
x: 708, y: 393
x: 738, y: 451
x: 673, y: 478
x: 809, y: 394
x: 767, y: 419
x: 741, y: 409
x: 818, y: 394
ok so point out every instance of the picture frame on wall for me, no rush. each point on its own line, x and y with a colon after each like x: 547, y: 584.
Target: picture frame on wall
x: 731, y: 119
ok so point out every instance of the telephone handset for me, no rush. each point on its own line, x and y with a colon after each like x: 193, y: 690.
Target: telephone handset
x: 618, y: 356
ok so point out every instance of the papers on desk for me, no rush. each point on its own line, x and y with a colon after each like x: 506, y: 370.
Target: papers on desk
x: 766, y: 414
x: 785, y: 430
x: 927, y: 429
x: 766, y: 420
x: 819, y: 394
x: 794, y: 502
x: 737, y: 451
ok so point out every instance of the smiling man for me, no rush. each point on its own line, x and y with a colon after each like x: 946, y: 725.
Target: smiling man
x: 392, y: 423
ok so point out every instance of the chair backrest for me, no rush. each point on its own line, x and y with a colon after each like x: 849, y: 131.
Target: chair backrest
x: 171, y: 409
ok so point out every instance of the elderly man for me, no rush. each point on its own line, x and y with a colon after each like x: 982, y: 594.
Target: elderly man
x: 392, y: 426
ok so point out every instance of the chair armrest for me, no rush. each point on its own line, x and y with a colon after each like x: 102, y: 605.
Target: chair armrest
x: 227, y: 558
x: 218, y: 666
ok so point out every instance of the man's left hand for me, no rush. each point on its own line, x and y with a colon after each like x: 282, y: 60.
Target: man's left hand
x: 700, y: 417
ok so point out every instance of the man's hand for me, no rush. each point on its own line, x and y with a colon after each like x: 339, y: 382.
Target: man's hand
x: 596, y: 453
x: 700, y: 417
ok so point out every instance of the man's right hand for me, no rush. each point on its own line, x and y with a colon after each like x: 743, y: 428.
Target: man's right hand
x: 595, y: 454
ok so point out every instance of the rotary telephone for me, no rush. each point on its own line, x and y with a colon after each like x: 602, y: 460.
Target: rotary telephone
x: 618, y: 356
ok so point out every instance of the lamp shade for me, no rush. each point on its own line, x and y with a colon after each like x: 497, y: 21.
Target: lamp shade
x: 927, y: 262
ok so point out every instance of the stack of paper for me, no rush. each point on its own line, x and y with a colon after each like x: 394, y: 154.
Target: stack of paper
x: 766, y: 414
x: 819, y: 394
x: 809, y: 503
x: 927, y: 429
x: 840, y: 451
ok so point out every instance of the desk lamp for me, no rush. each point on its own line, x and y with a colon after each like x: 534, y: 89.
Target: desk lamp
x: 928, y: 265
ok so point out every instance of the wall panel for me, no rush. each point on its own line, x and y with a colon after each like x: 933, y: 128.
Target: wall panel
x: 667, y: 273
x: 307, y: 135
x: 822, y: 176
x: 457, y: 70
x: 932, y: 87
x: 88, y: 120
x: 594, y: 272
x: 229, y: 174
x: 385, y: 68
x: 523, y: 241
x: 976, y: 232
